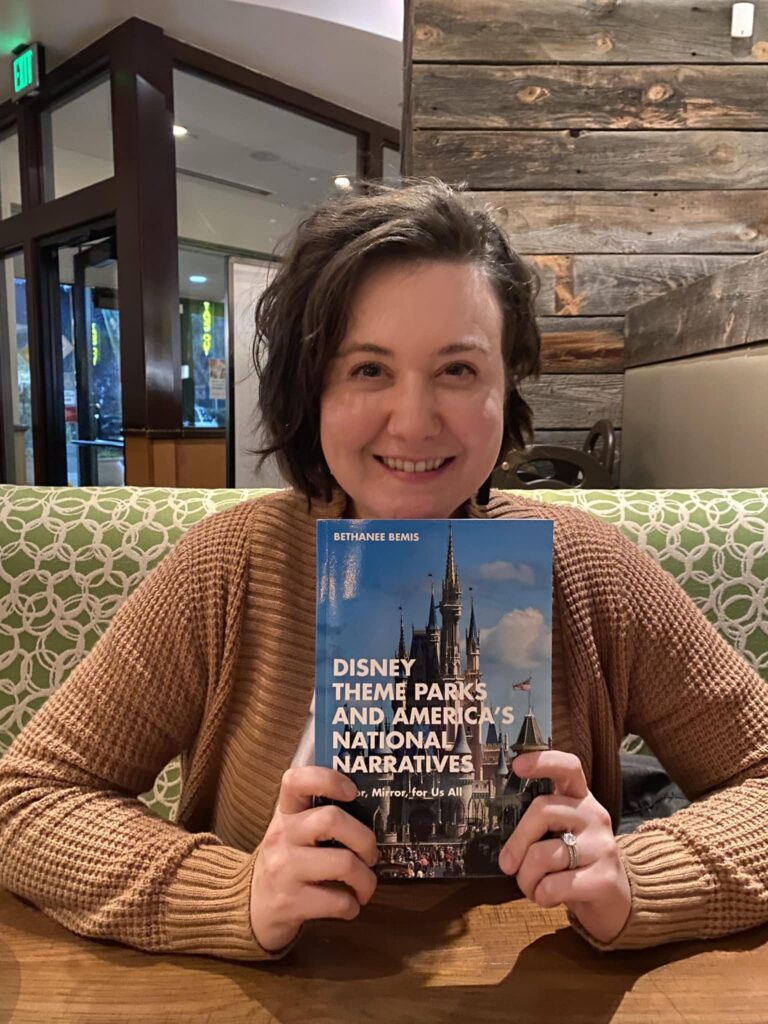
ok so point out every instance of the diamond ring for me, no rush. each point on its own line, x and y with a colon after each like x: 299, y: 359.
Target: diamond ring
x: 570, y: 841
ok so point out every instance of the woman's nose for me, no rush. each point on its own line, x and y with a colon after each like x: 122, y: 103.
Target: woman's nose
x: 414, y: 412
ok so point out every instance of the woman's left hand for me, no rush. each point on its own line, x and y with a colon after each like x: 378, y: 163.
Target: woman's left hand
x: 597, y: 890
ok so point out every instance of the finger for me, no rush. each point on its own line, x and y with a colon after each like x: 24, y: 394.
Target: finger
x: 319, y: 864
x: 325, y: 901
x: 550, y: 856
x: 319, y: 824
x: 300, y: 785
x: 565, y: 771
x: 546, y: 814
x: 584, y: 885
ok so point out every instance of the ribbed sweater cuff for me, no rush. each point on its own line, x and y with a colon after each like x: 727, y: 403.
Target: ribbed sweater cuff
x: 207, y: 906
x: 670, y: 893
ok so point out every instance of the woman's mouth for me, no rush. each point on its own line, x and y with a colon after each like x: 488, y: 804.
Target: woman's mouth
x: 412, y: 467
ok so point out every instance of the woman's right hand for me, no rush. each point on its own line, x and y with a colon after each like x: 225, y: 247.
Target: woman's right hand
x: 290, y: 869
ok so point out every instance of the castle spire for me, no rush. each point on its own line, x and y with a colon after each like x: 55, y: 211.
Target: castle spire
x: 401, y: 646
x: 432, y: 624
x: 451, y: 580
x: 473, y: 634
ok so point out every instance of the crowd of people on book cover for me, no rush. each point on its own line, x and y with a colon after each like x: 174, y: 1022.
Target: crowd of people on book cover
x: 450, y: 824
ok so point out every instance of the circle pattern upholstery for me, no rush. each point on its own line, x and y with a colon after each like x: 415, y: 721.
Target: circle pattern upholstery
x: 70, y: 556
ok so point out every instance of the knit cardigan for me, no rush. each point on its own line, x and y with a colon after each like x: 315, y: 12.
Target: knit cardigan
x: 213, y: 657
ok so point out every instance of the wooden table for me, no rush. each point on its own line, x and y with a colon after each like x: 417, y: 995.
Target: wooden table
x: 421, y: 954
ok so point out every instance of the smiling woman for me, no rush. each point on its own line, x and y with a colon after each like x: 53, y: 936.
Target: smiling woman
x: 390, y: 348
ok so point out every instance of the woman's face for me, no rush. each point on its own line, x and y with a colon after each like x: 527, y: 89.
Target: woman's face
x: 412, y: 411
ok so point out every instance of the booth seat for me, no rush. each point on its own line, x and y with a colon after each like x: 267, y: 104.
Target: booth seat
x: 70, y: 556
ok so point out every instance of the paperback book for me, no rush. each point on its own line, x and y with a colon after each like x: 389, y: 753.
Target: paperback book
x: 433, y: 672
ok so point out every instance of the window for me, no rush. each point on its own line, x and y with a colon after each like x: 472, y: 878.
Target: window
x: 78, y: 133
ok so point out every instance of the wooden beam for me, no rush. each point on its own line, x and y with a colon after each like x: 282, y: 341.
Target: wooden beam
x: 591, y: 31
x: 581, y: 344
x: 594, y: 160
x: 574, y: 401
x: 724, y: 311
x: 632, y: 222
x: 545, y: 96
x: 609, y: 285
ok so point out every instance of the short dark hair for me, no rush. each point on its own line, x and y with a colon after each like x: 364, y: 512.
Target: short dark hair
x: 302, y: 315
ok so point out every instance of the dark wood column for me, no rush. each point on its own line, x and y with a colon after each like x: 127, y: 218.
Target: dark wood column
x: 147, y: 237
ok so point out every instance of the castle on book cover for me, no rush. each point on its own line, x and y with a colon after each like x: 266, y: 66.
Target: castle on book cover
x: 427, y: 719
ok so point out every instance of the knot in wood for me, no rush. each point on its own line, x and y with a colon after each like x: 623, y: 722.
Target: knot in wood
x: 532, y: 93
x: 604, y: 6
x: 604, y: 43
x: 658, y: 92
x: 760, y: 51
x: 723, y: 153
x: 427, y: 33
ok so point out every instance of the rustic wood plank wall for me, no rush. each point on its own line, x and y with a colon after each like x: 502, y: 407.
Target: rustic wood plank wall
x: 623, y: 144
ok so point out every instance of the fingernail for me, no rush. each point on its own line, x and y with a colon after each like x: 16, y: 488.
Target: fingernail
x: 351, y: 789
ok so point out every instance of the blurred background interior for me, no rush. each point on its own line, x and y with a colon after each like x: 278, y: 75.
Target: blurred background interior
x: 154, y: 156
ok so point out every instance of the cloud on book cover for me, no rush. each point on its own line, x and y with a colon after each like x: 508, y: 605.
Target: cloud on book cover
x: 521, y: 640
x: 503, y: 572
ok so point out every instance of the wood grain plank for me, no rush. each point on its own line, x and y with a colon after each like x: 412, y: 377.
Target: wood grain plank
x: 582, y: 344
x: 609, y: 285
x: 632, y: 222
x: 582, y: 96
x: 593, y: 31
x: 663, y: 160
x: 727, y: 310
x: 573, y: 401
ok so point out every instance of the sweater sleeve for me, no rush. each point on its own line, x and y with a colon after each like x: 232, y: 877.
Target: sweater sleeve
x: 74, y: 838
x: 703, y: 871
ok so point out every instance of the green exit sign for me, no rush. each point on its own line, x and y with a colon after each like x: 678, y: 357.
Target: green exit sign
x: 26, y: 70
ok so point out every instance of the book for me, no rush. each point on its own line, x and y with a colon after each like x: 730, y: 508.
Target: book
x: 433, y: 672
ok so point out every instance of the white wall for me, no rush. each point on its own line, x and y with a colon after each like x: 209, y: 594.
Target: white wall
x: 698, y: 422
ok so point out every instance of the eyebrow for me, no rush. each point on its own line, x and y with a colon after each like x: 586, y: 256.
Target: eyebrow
x: 455, y: 347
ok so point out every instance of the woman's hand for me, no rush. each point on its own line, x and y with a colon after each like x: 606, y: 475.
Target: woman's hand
x: 596, y: 891
x: 287, y: 886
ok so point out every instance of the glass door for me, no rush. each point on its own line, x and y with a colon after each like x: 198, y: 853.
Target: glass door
x: 85, y: 279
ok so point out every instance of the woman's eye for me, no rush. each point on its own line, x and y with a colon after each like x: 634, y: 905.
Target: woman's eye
x: 368, y: 370
x: 460, y: 370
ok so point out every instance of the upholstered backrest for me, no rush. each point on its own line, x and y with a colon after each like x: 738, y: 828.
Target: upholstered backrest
x: 70, y: 556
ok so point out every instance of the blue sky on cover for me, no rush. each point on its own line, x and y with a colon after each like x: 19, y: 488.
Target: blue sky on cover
x: 507, y: 563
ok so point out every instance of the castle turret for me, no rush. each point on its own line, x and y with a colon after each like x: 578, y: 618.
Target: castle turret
x: 501, y: 774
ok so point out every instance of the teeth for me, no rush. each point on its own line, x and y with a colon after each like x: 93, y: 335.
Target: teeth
x: 405, y: 465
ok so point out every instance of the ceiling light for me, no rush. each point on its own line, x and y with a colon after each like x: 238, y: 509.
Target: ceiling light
x: 342, y: 181
x: 197, y: 279
x: 180, y: 131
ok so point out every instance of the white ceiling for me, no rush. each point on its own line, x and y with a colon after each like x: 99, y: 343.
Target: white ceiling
x: 347, y: 51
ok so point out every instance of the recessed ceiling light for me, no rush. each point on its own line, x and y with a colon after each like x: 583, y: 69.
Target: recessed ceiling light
x: 342, y: 181
x: 313, y: 178
x: 197, y: 279
x: 180, y: 131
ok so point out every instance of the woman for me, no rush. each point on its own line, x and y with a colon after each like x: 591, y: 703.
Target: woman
x: 390, y: 347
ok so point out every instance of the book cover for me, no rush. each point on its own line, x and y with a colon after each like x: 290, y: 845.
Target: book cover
x: 433, y: 672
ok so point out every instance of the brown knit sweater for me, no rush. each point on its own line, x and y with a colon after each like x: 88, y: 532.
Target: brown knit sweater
x: 213, y: 656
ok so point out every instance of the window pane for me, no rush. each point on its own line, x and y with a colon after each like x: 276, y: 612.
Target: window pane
x: 10, y: 177
x: 15, y: 373
x: 90, y: 356
x: 246, y: 169
x: 79, y: 133
x: 203, y: 297
x: 391, y: 162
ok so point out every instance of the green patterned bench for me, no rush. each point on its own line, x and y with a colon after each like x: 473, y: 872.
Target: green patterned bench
x: 70, y: 556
